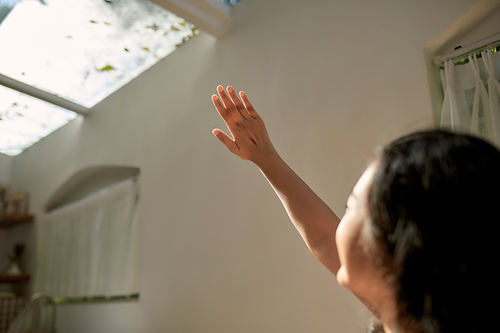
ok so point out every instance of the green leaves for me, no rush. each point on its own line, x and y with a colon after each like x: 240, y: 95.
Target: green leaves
x: 106, y: 68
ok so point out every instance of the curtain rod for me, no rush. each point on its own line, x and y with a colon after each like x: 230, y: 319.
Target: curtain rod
x: 461, y: 51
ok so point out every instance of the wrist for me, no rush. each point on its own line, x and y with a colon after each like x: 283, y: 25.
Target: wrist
x: 267, y: 159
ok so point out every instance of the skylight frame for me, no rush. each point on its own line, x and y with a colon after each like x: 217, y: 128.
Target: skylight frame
x: 103, y: 45
x: 15, y: 82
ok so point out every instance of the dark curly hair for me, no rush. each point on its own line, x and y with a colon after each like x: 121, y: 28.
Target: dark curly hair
x: 435, y: 209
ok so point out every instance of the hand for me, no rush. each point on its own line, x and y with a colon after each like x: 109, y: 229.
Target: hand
x: 250, y: 139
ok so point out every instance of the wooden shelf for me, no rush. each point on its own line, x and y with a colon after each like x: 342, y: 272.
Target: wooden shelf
x: 10, y: 221
x: 14, y: 278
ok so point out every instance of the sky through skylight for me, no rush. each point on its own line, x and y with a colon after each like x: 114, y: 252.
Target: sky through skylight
x: 27, y: 120
x: 81, y: 50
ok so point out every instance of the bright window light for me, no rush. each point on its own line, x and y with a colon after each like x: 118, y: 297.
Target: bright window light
x: 83, y: 50
x: 25, y: 120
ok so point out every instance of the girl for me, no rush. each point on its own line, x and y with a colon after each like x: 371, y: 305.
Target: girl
x: 418, y: 241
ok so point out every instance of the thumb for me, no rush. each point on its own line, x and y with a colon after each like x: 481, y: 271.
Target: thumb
x: 226, y: 140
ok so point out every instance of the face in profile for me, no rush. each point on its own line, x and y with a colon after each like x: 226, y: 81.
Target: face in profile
x: 358, y: 271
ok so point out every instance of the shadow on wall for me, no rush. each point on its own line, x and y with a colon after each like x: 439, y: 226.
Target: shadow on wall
x: 87, y: 181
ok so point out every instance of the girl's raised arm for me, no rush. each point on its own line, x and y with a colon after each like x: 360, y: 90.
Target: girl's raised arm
x: 314, y: 220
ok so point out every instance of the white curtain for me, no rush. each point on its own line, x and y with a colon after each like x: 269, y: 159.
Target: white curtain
x: 91, y: 247
x: 454, y: 115
x: 472, y: 96
x: 494, y: 92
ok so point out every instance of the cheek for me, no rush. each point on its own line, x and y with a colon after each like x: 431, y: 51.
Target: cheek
x: 355, y: 262
x: 342, y: 239
x: 347, y: 237
x: 338, y: 235
x: 342, y: 277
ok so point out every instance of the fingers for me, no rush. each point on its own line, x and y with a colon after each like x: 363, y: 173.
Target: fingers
x: 225, y: 115
x: 226, y: 140
x: 249, y: 107
x: 236, y: 114
x: 229, y: 105
x: 237, y: 102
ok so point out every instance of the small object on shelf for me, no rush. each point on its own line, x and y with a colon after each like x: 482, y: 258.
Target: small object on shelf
x: 17, y: 203
x: 14, y: 269
x: 14, y: 272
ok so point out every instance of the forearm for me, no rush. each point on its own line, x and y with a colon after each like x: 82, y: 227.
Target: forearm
x: 312, y: 217
x: 314, y: 220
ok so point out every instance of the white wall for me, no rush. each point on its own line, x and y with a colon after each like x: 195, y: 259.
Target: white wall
x: 332, y: 79
x: 5, y: 167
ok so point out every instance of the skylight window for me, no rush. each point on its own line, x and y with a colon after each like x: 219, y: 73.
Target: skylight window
x: 84, y: 50
x: 25, y: 120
